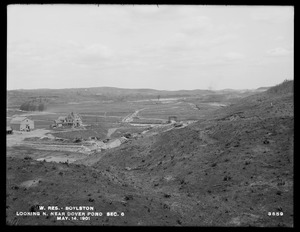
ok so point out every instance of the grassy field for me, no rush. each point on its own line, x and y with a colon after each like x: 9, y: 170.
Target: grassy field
x: 113, y: 108
x: 100, y: 116
x: 98, y: 132
x: 182, y: 110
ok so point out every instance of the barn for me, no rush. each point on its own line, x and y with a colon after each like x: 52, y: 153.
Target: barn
x: 9, y: 130
x: 20, y: 123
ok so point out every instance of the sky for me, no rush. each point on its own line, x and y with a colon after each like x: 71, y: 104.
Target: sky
x: 164, y: 47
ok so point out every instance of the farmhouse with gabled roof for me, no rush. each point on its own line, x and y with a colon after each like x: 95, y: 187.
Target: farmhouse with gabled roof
x: 71, y: 120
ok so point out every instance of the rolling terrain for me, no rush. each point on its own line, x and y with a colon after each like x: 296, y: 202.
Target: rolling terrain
x: 231, y: 167
x: 15, y: 98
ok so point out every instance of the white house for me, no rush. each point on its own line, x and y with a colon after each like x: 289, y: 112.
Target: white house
x: 21, y: 123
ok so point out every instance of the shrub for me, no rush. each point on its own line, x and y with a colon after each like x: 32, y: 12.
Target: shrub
x: 33, y: 106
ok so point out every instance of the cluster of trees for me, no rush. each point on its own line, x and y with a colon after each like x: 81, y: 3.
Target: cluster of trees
x: 33, y: 106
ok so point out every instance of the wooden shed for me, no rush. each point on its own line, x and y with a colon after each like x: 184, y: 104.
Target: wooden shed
x: 172, y: 119
x: 21, y: 123
x: 9, y: 130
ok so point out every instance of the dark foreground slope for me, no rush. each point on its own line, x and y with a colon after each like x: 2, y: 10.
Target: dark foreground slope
x: 229, y: 169
x: 32, y: 183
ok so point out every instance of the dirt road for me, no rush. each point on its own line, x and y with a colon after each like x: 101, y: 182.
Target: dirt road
x: 111, y: 131
x: 129, y: 118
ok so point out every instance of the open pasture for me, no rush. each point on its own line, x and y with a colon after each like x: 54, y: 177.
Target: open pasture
x: 84, y: 134
x: 108, y: 114
x: 94, y: 108
x: 182, y: 110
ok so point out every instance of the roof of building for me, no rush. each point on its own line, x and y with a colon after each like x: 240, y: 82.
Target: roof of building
x: 18, y: 119
x: 74, y: 116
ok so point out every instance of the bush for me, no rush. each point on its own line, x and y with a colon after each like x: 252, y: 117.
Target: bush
x: 33, y: 106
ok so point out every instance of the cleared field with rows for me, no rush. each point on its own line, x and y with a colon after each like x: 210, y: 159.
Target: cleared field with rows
x: 95, y: 131
x: 182, y: 110
x: 109, y: 114
x: 108, y: 109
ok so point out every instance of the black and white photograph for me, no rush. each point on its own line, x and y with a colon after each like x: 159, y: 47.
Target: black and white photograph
x: 150, y: 115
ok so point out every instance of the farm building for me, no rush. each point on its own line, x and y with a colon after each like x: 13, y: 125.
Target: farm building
x: 71, y: 120
x: 20, y: 123
x: 62, y: 119
x: 75, y: 119
x: 57, y: 123
x: 9, y: 130
x: 172, y: 119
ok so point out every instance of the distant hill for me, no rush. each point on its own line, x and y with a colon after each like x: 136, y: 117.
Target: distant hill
x: 52, y: 96
x: 263, y: 88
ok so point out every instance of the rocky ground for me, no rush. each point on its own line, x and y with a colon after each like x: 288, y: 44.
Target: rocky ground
x: 230, y: 169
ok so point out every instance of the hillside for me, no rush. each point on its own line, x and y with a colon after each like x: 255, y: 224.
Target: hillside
x: 285, y: 87
x: 230, y: 168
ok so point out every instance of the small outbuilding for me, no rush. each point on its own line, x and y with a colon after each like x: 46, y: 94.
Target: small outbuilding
x: 58, y: 123
x: 172, y: 119
x: 21, y: 123
x: 9, y: 130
